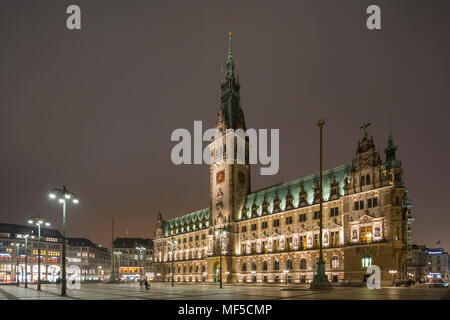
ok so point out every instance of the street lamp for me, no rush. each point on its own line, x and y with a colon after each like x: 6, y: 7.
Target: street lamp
x: 173, y: 243
x: 140, y: 264
x: 38, y: 221
x: 320, y: 280
x: 63, y: 195
x: 117, y: 255
x: 220, y: 232
x: 26, y: 236
x: 17, y: 245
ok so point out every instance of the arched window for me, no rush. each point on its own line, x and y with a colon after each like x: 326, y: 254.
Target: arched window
x: 289, y: 264
x: 184, y: 269
x: 203, y: 268
x: 254, y: 265
x: 303, y: 263
x: 190, y: 269
x: 196, y: 269
x: 276, y: 265
x: 265, y: 266
x: 244, y: 267
x: 334, y: 262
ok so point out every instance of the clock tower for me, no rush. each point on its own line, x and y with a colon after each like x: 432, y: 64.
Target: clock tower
x: 229, y: 179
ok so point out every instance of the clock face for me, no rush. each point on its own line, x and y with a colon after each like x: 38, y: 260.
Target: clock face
x: 220, y: 177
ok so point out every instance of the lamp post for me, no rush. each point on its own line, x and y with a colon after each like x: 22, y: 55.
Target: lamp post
x: 63, y: 195
x: 320, y: 280
x: 38, y: 221
x: 17, y: 245
x: 173, y: 243
x: 117, y: 255
x: 220, y: 233
x: 26, y: 260
x: 140, y: 262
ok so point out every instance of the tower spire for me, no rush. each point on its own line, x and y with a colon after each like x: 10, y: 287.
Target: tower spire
x: 391, y: 160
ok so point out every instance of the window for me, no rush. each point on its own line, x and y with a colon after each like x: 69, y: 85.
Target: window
x: 254, y: 266
x: 362, y: 181
x: 316, y: 215
x: 276, y: 265
x: 361, y: 204
x: 366, y: 234
x: 190, y: 239
x: 302, y: 217
x: 203, y: 236
x: 334, y: 238
x: 265, y: 266
x: 303, y: 242
x: 397, y: 177
x: 289, y: 264
x: 303, y: 263
x: 334, y: 262
x: 366, y: 260
x: 264, y: 247
x: 289, y: 220
x: 375, y: 202
x: 334, y: 212
x: 184, y: 240
x: 356, y: 205
x: 254, y: 227
x: 196, y: 238
x: 264, y: 225
x: 368, y: 179
x: 276, y: 245
x: 316, y: 240
x: 276, y: 223
x: 243, y: 248
x: 253, y: 248
x: 397, y: 201
x: 244, y: 229
x: 289, y: 243
x: 244, y: 267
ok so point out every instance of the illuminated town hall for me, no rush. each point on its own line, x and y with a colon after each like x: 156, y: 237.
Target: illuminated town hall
x: 272, y: 235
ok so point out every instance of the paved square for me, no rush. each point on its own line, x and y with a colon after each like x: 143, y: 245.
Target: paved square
x: 164, y: 291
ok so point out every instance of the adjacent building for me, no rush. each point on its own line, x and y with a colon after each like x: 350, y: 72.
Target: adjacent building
x: 133, y: 259
x: 417, y: 263
x: 91, y: 261
x: 272, y: 235
x: 13, y: 253
x: 437, y: 264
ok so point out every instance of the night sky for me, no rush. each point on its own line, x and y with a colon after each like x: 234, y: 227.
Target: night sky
x: 94, y: 109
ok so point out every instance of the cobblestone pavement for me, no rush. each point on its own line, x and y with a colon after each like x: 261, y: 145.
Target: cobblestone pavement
x: 158, y: 291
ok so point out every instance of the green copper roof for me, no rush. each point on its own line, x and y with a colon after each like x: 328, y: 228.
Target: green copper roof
x: 187, y: 223
x: 340, y: 173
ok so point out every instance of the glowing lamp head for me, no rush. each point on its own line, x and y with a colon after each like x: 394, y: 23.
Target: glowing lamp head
x: 30, y: 221
x: 75, y: 201
x: 61, y: 200
x: 67, y: 196
x: 47, y: 224
x: 52, y: 196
